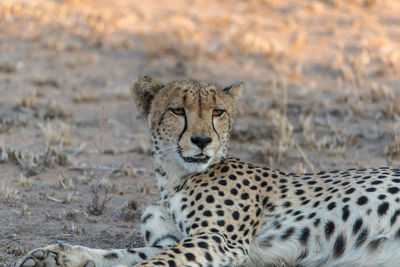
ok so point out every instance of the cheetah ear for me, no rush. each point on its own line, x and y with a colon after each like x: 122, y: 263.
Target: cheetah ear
x: 234, y: 91
x: 143, y: 90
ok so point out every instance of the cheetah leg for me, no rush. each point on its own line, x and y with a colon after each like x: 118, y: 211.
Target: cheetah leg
x: 158, y: 228
x: 210, y: 249
x: 64, y: 255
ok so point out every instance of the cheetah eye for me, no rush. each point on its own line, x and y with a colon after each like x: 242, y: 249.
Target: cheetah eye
x: 218, y: 112
x: 178, y: 111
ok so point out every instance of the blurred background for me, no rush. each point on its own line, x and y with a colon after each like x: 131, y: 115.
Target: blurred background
x: 322, y: 92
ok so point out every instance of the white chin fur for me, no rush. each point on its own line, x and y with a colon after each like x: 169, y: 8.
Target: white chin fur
x: 176, y: 167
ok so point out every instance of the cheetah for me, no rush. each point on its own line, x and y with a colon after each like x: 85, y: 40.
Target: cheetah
x: 216, y: 210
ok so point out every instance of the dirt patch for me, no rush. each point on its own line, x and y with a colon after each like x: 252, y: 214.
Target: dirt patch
x: 323, y: 92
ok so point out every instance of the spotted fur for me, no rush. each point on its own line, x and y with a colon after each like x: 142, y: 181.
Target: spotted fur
x: 220, y: 211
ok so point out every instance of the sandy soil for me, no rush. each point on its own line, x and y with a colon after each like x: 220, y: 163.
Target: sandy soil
x: 323, y: 92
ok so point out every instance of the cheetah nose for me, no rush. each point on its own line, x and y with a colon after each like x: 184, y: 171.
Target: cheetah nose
x: 201, y: 141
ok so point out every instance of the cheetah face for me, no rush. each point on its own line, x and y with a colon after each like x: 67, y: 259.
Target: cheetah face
x: 189, y: 121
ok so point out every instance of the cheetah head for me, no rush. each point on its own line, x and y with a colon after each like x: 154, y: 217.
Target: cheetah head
x: 189, y: 121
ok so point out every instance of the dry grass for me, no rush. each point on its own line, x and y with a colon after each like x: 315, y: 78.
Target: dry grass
x: 8, y: 193
x: 33, y: 164
x: 55, y: 133
x: 393, y: 150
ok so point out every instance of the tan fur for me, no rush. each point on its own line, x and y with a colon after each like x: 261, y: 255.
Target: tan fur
x: 172, y: 134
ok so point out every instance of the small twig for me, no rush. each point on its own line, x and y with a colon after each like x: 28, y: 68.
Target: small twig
x: 97, y: 167
x: 54, y: 199
x: 303, y: 155
x: 76, y: 151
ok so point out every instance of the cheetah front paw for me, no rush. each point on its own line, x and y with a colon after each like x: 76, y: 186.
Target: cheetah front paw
x: 61, y: 255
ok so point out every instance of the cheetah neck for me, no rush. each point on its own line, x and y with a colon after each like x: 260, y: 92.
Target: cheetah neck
x: 169, y: 173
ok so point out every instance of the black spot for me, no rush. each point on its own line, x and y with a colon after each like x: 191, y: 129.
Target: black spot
x: 370, y: 189
x: 165, y: 237
x: 382, y: 209
x: 221, y: 223
x: 228, y: 202
x: 208, y: 257
x: 373, y: 245
x: 300, y: 192
x: 202, y: 244
x: 225, y: 169
x: 244, y: 196
x: 171, y: 263
x: 111, y: 255
x: 229, y: 228
x: 296, y: 213
x: 207, y: 213
x: 142, y: 256
x: 176, y: 250
x: 331, y: 206
x: 198, y: 196
x: 189, y: 256
x: 210, y: 199
x: 357, y: 225
x: 304, y: 235
x: 349, y: 191
x: 216, y: 239
x: 394, y: 217
x: 346, y: 213
x: 397, y: 235
x: 146, y: 218
x: 147, y: 235
x: 376, y: 182
x: 362, y: 200
x: 393, y: 190
x: 235, y: 215
x: 339, y: 247
x: 289, y: 232
x: 232, y: 177
x: 222, y: 182
x: 329, y: 229
x: 362, y: 237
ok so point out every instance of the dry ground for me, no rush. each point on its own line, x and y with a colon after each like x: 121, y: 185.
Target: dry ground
x: 323, y: 92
